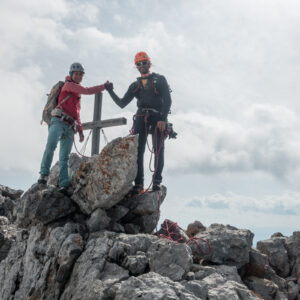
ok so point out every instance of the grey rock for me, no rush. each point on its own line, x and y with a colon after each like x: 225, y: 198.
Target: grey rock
x: 92, y: 274
x: 281, y: 296
x: 276, y: 251
x: 7, y: 208
x: 117, y: 212
x: 257, y: 264
x: 296, y: 268
x: 5, y: 191
x: 271, y: 275
x: 136, y: 264
x: 30, y: 268
x: 103, y: 180
x: 219, y: 289
x: 8, y: 234
x: 229, y: 245
x: 263, y: 287
x: 293, y: 290
x: 153, y: 286
x: 98, y: 220
x: 293, y: 247
x: 68, y: 253
x: 40, y: 204
x: 170, y: 259
x: 144, y: 210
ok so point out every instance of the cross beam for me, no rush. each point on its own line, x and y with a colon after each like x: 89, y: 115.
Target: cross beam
x: 97, y: 124
x: 104, y: 123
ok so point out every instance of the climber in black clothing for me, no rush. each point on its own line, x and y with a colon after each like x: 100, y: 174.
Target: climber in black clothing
x: 153, y: 102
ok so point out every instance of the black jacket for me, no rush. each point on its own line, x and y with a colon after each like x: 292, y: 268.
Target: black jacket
x: 156, y: 94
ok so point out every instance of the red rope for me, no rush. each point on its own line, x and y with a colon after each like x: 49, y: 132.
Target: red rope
x: 172, y: 237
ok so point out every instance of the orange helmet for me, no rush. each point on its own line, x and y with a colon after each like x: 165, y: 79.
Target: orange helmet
x: 141, y: 56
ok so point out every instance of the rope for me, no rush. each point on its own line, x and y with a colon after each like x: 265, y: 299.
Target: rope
x: 172, y: 237
x: 83, y: 149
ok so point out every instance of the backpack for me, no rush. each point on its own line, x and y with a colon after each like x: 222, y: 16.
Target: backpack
x: 52, y: 101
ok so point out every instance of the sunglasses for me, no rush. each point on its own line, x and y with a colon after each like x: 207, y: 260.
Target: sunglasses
x: 142, y: 63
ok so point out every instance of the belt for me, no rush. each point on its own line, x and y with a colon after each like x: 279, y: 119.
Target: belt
x: 149, y: 110
x: 66, y: 119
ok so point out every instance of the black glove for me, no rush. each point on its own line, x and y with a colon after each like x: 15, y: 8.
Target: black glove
x: 109, y: 86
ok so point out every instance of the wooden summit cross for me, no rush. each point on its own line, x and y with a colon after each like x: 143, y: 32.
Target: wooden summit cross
x: 97, y: 124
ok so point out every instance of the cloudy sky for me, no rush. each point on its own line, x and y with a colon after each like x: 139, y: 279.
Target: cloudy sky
x: 234, y: 70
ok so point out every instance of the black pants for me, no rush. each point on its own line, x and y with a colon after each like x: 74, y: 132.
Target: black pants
x: 143, y: 127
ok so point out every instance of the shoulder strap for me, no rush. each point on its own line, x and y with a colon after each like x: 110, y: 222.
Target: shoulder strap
x: 64, y: 100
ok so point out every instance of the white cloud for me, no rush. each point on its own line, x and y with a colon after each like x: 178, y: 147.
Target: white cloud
x: 285, y: 204
x: 263, y: 138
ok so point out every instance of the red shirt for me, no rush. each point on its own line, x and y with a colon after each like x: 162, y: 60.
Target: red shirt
x: 72, y: 105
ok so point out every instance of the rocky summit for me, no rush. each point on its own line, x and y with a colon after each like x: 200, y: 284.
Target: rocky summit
x: 100, y: 244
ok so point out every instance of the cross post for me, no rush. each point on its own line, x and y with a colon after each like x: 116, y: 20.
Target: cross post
x: 97, y: 124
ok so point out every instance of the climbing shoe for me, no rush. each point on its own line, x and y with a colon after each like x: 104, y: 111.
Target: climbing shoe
x: 43, y: 179
x: 156, y: 187
x: 67, y: 191
x: 135, y: 191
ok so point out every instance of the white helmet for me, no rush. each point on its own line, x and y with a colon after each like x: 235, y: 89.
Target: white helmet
x: 76, y: 67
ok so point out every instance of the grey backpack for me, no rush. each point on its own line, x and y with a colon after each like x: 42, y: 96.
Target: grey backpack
x: 52, y: 101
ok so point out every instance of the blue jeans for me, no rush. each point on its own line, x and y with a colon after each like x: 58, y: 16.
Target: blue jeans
x: 58, y: 131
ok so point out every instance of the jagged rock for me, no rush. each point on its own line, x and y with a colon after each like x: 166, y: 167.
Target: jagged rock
x: 263, y: 287
x: 280, y: 296
x: 8, y: 199
x: 256, y: 266
x: 296, y: 269
x: 5, y: 191
x: 30, y: 269
x: 219, y: 289
x: 293, y: 247
x: 117, y: 212
x: 68, y: 253
x: 271, y: 275
x: 7, y: 236
x: 229, y: 245
x: 153, y: 286
x: 74, y: 164
x: 293, y: 290
x: 194, y: 228
x: 98, y: 220
x: 275, y: 249
x: 103, y: 180
x: 143, y: 211
x: 136, y: 264
x: 40, y: 204
x: 170, y: 259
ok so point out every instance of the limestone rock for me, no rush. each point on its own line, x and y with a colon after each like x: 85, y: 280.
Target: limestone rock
x: 103, y: 180
x: 40, y: 204
x: 263, y: 287
x: 7, y: 236
x: 5, y: 191
x: 153, y: 286
x: 8, y: 199
x: 98, y: 220
x: 30, y: 269
x: 170, y: 259
x: 275, y: 249
x: 293, y: 247
x: 229, y: 245
x: 143, y: 211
